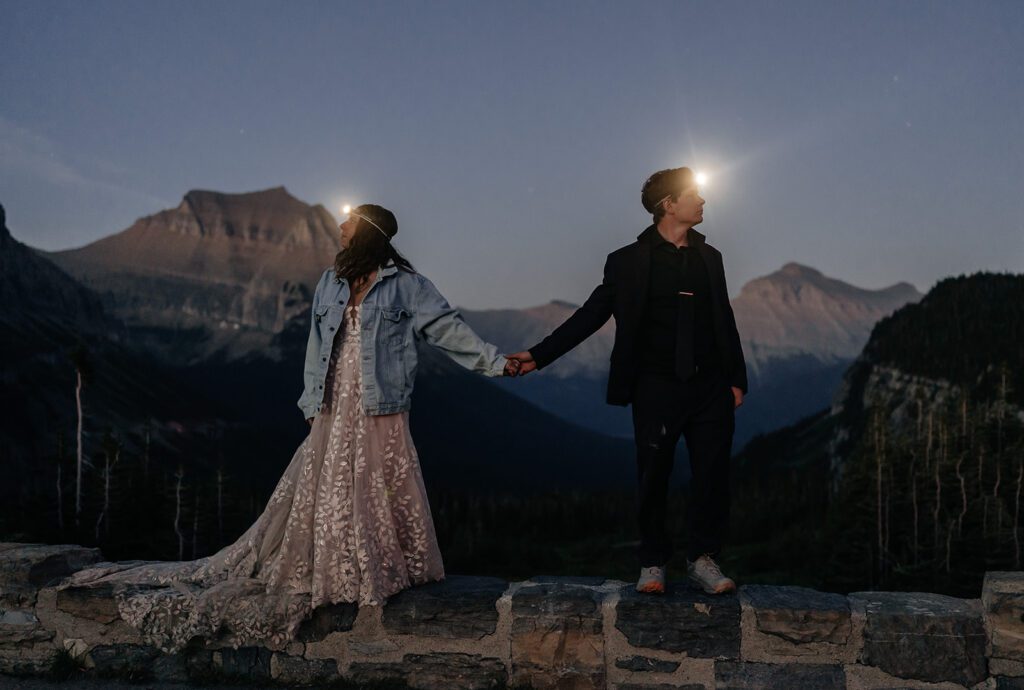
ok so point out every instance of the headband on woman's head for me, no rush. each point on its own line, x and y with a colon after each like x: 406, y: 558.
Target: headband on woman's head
x: 349, y: 211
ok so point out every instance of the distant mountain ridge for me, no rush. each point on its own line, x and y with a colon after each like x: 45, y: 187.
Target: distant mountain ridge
x: 799, y: 330
x: 220, y: 275
x: 239, y: 265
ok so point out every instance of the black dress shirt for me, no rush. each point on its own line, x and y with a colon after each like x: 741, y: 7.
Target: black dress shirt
x: 676, y: 330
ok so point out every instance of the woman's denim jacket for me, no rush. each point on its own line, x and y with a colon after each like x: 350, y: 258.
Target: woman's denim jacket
x: 399, y: 307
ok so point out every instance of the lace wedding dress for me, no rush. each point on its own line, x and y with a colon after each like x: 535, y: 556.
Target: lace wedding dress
x: 348, y: 521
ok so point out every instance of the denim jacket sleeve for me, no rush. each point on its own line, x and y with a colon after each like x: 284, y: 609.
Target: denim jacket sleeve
x: 442, y: 326
x: 313, y: 345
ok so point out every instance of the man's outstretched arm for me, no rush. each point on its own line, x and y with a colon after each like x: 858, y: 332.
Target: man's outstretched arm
x: 584, y: 322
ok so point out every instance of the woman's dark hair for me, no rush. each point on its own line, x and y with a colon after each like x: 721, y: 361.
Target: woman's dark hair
x: 370, y: 247
x: 665, y: 183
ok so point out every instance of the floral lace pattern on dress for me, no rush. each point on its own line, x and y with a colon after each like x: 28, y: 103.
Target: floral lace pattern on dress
x: 348, y: 521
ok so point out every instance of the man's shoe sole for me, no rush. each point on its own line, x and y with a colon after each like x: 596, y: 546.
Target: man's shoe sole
x: 727, y: 588
x: 652, y: 588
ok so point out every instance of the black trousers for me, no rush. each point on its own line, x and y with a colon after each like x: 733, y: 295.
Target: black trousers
x: 701, y: 409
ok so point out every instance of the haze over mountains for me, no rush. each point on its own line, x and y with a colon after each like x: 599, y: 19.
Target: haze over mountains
x: 222, y: 274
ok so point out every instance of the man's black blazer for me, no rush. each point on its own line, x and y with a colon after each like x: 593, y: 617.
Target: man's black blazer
x: 623, y: 294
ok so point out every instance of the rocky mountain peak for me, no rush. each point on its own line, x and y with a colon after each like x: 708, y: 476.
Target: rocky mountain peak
x: 797, y: 270
x: 799, y: 310
x: 217, y: 260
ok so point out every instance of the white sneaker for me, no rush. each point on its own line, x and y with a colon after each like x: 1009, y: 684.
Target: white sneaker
x: 704, y: 573
x: 652, y: 580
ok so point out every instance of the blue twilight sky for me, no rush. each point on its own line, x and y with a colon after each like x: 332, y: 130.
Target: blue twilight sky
x: 875, y: 141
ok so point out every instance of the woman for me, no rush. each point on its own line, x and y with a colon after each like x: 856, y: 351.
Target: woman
x: 349, y: 519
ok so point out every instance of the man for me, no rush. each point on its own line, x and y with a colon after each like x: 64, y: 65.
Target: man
x: 677, y: 359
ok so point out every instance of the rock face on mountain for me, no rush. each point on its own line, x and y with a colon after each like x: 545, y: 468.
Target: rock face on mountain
x: 799, y: 311
x: 224, y: 262
x: 913, y: 476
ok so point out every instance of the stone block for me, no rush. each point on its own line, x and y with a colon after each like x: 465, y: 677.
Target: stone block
x: 646, y: 664
x: 435, y: 671
x: 19, y: 628
x: 28, y: 659
x: 557, y: 639
x: 746, y: 675
x: 682, y: 620
x: 582, y: 581
x: 122, y: 660
x: 97, y: 601
x: 328, y: 619
x: 1005, y: 667
x: 25, y: 568
x: 661, y: 686
x: 928, y: 637
x: 1002, y: 599
x: 457, y: 607
x: 170, y: 668
x: 26, y: 647
x: 251, y: 663
x: 798, y: 614
x: 294, y: 670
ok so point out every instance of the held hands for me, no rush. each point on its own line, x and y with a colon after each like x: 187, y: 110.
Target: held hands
x: 737, y: 393
x: 524, y: 363
x: 511, y: 366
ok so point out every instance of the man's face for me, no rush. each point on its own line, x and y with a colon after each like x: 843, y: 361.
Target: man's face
x: 688, y: 208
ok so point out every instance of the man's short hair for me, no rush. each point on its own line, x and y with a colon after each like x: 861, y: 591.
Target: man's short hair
x: 663, y: 184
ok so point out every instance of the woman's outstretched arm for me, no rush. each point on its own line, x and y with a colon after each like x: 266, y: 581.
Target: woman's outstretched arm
x: 442, y: 326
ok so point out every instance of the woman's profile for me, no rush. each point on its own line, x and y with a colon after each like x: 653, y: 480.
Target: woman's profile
x: 349, y: 519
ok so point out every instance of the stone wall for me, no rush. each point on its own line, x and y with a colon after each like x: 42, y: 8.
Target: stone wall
x: 546, y: 632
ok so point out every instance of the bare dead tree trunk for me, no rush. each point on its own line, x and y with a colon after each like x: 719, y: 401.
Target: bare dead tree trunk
x: 928, y: 445
x: 220, y: 505
x: 60, y: 480
x: 913, y: 500
x: 106, y: 496
x: 890, y: 483
x: 112, y: 448
x: 195, y: 527
x: 984, y: 501
x: 949, y: 542
x: 878, y: 489
x: 935, y: 511
x: 981, y: 471
x: 145, y: 457
x: 963, y: 495
x: 1016, y: 515
x: 995, y: 496
x: 177, y: 513
x: 80, y: 461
